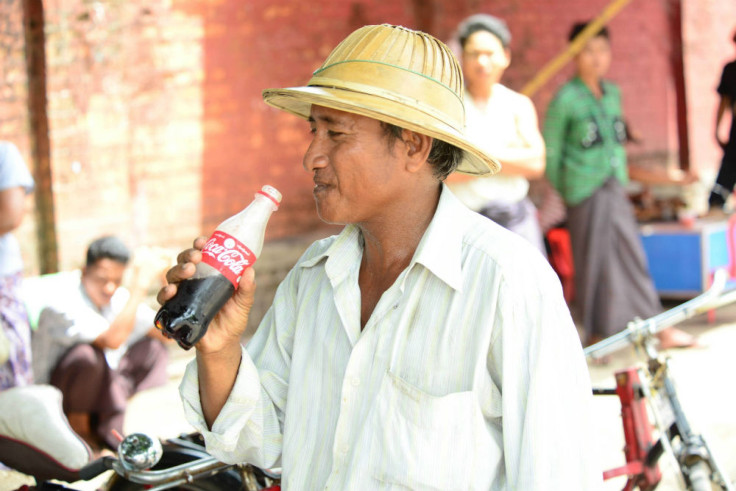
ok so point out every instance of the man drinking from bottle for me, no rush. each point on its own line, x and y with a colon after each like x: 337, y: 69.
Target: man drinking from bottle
x: 422, y: 347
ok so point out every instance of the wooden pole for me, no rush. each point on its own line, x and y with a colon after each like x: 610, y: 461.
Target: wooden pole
x: 677, y: 63
x: 557, y: 63
x: 35, y: 40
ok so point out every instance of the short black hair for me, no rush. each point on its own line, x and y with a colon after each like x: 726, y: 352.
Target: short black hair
x: 578, y: 27
x: 108, y: 247
x: 443, y: 157
x: 484, y: 22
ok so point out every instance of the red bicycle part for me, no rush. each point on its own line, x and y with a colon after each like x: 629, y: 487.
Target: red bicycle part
x: 637, y: 433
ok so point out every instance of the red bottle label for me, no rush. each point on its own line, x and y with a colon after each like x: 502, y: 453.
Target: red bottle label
x: 227, y: 255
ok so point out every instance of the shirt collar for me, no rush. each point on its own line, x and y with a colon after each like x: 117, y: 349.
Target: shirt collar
x: 343, y: 255
x: 439, y: 250
x: 579, y: 81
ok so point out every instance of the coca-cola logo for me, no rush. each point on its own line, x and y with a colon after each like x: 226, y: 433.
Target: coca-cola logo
x: 227, y: 255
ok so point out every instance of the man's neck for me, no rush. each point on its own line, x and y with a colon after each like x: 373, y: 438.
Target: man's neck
x: 98, y: 308
x: 389, y: 243
x: 396, y: 235
x: 481, y: 94
x: 593, y: 83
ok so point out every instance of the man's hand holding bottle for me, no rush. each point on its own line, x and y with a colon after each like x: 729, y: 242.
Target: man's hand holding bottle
x: 228, y: 326
x: 206, y: 283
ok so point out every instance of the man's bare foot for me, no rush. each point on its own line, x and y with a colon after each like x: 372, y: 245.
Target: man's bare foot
x: 675, y: 338
x: 80, y: 423
x: 600, y: 361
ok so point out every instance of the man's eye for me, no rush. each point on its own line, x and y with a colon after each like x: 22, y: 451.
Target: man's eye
x: 334, y: 134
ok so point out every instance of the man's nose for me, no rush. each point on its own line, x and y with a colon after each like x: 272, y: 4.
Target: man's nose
x: 315, y: 157
x: 484, y: 59
x: 110, y: 288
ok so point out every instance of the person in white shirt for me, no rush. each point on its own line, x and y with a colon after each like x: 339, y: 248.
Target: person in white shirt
x: 424, y: 347
x: 502, y: 122
x: 96, y: 342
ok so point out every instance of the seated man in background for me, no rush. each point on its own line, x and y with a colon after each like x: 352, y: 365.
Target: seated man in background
x: 96, y: 342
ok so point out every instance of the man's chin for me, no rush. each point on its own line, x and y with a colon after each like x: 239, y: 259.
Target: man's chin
x: 329, y: 218
x: 103, y: 303
x: 331, y: 221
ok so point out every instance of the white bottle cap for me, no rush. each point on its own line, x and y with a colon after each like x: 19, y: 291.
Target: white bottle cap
x: 271, y: 193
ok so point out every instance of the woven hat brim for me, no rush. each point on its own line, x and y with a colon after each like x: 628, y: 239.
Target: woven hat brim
x: 298, y: 101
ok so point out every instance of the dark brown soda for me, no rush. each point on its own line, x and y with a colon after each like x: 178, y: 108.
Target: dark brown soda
x: 185, y: 317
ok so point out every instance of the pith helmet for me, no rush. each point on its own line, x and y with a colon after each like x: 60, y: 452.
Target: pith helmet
x: 397, y: 75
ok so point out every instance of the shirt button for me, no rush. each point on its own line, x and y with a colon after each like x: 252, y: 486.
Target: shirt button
x: 355, y: 381
x: 345, y: 449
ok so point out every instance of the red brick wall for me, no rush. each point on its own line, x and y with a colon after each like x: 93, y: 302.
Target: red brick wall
x: 707, y: 31
x: 250, y: 46
x: 254, y: 45
x: 125, y: 112
x: 158, y: 129
x: 641, y: 51
x: 13, y: 78
x: 14, y: 113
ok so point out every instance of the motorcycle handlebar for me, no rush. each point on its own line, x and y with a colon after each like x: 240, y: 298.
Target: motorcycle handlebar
x: 96, y: 467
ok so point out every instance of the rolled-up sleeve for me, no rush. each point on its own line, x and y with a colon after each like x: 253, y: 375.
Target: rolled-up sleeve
x: 238, y: 432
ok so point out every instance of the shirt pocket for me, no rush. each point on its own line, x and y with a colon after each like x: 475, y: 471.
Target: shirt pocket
x: 430, y: 442
x: 588, y: 133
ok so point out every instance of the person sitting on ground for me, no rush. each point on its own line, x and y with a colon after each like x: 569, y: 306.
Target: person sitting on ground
x: 96, y: 342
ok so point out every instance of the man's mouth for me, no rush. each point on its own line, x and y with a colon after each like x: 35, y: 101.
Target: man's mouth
x: 320, y: 186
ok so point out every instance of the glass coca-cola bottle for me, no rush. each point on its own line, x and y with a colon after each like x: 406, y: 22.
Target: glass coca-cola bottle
x: 233, y: 247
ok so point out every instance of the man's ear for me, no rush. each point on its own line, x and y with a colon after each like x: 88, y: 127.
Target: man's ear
x: 508, y: 57
x: 417, y: 148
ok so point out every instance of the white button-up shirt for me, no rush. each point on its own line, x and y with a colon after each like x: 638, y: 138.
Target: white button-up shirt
x: 468, y: 375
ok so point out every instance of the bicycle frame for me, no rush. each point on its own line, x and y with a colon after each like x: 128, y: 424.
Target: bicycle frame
x: 650, y: 388
x: 641, y: 446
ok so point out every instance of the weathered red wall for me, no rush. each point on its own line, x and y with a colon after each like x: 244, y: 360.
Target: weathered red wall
x: 250, y: 46
x: 708, y: 29
x: 14, y: 104
x: 125, y: 115
x: 158, y: 129
x: 254, y: 45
